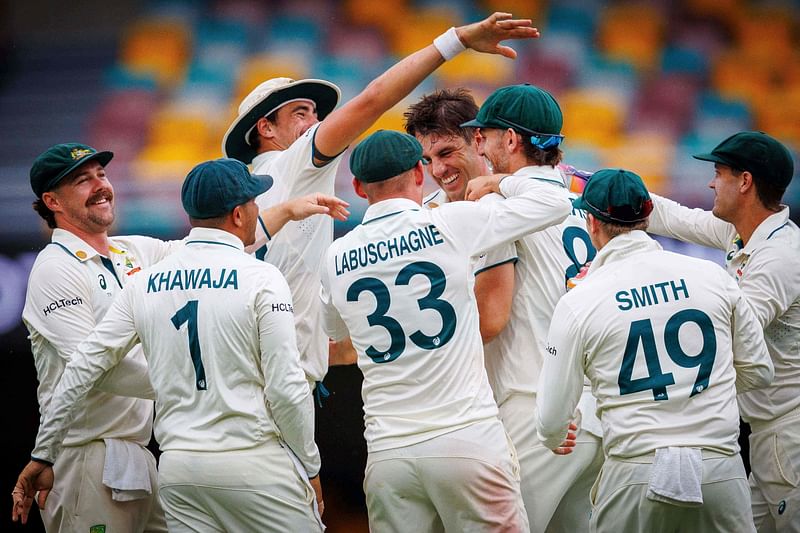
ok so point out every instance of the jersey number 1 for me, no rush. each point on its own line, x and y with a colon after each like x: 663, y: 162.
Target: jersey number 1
x: 642, y: 331
x: 188, y: 313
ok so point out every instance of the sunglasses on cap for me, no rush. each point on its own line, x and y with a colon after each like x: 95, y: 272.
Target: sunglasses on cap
x: 542, y: 141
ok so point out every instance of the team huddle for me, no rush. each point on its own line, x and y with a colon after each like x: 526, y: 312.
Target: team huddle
x: 532, y: 359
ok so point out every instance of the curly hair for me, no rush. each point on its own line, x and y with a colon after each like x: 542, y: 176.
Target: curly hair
x: 45, y: 213
x: 442, y: 112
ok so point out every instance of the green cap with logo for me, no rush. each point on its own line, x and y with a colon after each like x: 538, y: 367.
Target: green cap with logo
x: 214, y: 188
x: 756, y: 152
x: 617, y: 196
x: 524, y: 108
x: 52, y: 165
x: 383, y: 155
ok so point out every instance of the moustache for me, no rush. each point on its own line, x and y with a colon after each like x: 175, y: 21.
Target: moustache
x: 104, y: 194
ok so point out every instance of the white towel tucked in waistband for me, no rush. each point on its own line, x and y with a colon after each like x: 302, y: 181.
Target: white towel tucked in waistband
x: 126, y: 470
x: 677, y: 476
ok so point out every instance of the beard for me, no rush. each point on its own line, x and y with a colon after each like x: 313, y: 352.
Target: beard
x: 101, y: 218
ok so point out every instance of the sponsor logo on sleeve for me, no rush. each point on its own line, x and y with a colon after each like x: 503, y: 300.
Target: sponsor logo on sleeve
x: 61, y: 303
x: 282, y: 307
x: 552, y: 350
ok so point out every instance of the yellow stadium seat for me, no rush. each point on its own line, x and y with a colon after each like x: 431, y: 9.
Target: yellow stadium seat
x: 642, y: 47
x: 529, y: 9
x: 159, y: 48
x: 167, y: 126
x: 649, y: 154
x: 260, y: 68
x: 593, y: 116
x: 389, y: 17
x: 167, y: 162
x: 473, y: 68
x: 422, y: 28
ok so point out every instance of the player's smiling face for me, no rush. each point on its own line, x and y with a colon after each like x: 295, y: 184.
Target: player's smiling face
x: 452, y: 162
x: 293, y: 120
x: 85, y: 199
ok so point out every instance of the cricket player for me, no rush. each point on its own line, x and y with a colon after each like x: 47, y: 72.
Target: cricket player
x: 234, y: 416
x: 289, y: 129
x: 106, y: 476
x: 400, y: 284
x: 520, y: 134
x: 751, y: 172
x: 667, y: 341
x: 453, y: 159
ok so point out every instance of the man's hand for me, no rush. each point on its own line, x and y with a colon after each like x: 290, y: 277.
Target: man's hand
x: 485, y: 36
x: 479, y: 187
x: 300, y: 208
x: 341, y: 353
x: 317, y: 204
x: 567, y: 446
x: 36, y: 476
x: 316, y: 484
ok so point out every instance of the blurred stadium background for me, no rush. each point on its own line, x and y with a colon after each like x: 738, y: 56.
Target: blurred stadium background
x: 643, y: 85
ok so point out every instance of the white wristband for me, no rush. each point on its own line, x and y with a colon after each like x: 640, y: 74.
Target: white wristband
x: 448, y: 44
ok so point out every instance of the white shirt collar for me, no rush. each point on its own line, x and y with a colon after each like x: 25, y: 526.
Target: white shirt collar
x: 622, y: 246
x: 389, y: 207
x: 214, y: 236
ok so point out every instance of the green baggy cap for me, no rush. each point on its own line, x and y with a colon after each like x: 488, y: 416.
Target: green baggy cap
x: 615, y: 195
x: 52, y: 165
x: 214, y: 188
x: 524, y: 108
x: 756, y: 152
x: 383, y: 155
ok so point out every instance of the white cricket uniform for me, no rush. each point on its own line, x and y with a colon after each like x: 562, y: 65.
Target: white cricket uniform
x: 666, y: 341
x: 555, y: 488
x: 217, y: 329
x: 401, y: 285
x: 70, y: 289
x: 767, y: 270
x: 297, y: 250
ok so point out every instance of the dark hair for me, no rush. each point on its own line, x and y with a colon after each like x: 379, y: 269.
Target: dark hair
x: 769, y: 193
x: 537, y: 156
x: 442, y: 112
x: 45, y: 213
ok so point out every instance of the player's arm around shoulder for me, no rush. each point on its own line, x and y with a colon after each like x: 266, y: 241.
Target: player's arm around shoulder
x: 671, y: 219
x: 148, y: 249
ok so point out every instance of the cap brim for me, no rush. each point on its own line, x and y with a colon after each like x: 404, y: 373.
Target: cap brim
x: 323, y: 93
x: 101, y: 157
x: 578, y: 203
x: 261, y: 184
x: 474, y: 123
x: 715, y: 158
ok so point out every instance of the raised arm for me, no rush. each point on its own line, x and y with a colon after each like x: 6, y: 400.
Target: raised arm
x: 344, y: 125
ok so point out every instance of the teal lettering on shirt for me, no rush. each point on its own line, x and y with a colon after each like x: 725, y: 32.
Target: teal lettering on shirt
x: 198, y: 278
